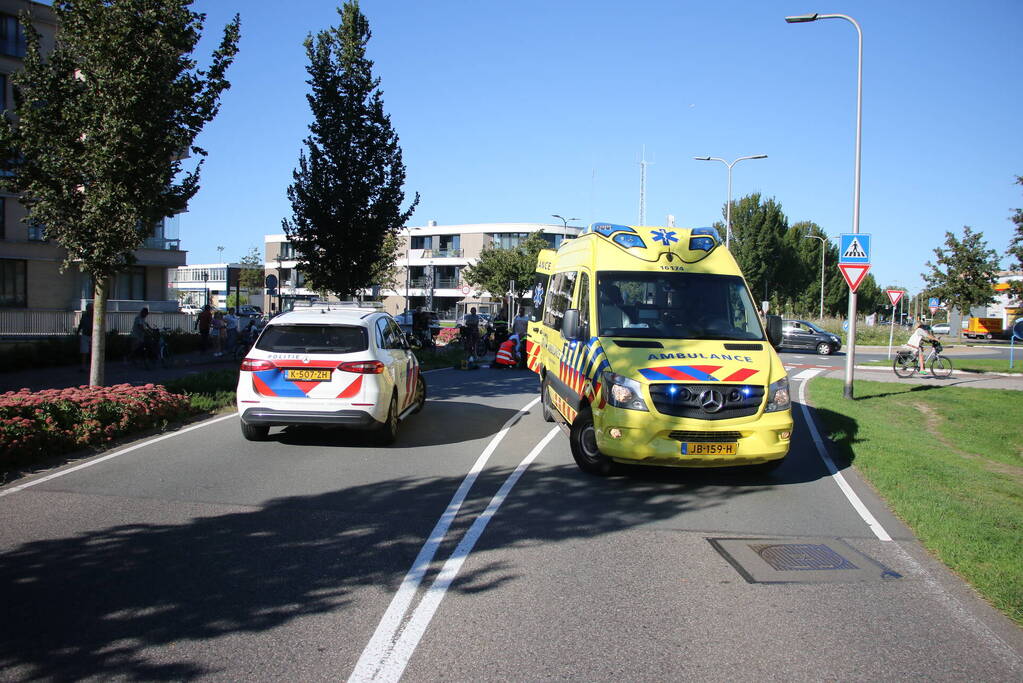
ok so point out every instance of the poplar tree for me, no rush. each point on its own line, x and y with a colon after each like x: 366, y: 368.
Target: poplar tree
x: 1015, y: 251
x: 100, y: 128
x: 347, y: 193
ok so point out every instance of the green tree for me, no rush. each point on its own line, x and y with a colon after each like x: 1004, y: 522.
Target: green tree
x: 964, y: 273
x: 101, y: 125
x: 757, y: 231
x: 1015, y: 251
x: 497, y: 266
x: 251, y: 276
x: 347, y: 192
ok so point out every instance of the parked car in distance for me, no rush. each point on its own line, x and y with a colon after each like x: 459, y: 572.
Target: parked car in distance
x: 349, y: 367
x: 404, y: 321
x: 941, y: 328
x: 800, y: 334
x: 192, y: 310
x: 247, y: 311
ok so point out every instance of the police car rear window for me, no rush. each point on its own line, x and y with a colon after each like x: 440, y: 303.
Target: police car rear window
x: 313, y: 339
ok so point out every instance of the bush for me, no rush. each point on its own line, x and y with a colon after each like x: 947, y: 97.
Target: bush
x: 60, y: 420
x: 207, y: 391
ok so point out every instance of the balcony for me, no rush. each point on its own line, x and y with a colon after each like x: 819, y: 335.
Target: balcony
x: 442, y: 253
x: 438, y: 283
x: 162, y: 244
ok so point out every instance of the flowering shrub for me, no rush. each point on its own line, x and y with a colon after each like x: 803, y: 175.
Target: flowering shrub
x: 447, y: 335
x: 61, y: 420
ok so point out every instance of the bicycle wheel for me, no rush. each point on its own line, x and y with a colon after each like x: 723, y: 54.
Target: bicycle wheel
x: 904, y: 365
x: 941, y: 366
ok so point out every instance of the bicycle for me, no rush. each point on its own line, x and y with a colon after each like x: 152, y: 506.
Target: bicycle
x: 154, y: 349
x: 908, y: 362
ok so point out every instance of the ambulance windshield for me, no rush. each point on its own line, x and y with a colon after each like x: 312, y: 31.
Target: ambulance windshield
x: 675, y: 306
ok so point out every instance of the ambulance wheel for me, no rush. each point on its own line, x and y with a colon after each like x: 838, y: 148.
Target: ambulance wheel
x: 583, y: 440
x: 545, y: 401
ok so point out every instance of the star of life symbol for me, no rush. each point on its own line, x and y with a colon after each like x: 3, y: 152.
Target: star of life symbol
x: 538, y: 295
x: 665, y: 237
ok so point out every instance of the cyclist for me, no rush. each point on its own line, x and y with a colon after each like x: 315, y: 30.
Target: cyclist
x: 140, y: 331
x: 921, y: 334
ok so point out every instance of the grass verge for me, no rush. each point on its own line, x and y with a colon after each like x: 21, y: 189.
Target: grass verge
x: 949, y: 461
x: 210, y: 391
x: 440, y: 357
x: 966, y: 364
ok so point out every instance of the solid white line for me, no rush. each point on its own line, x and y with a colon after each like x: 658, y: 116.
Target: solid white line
x: 391, y: 668
x: 386, y: 632
x: 822, y: 450
x: 116, y: 454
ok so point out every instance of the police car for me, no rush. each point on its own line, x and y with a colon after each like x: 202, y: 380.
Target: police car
x: 327, y: 365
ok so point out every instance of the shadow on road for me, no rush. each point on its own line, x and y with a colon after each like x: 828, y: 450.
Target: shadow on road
x: 92, y: 604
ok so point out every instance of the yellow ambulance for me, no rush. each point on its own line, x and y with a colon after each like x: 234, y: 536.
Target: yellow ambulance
x: 651, y: 351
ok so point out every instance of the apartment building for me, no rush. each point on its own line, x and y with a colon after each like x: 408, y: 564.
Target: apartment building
x: 431, y: 264
x: 198, y: 284
x: 30, y: 265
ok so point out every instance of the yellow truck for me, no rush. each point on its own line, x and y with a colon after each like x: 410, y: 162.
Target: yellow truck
x: 651, y: 351
x: 983, y: 328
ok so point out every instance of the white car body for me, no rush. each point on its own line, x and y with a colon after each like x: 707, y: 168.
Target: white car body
x: 941, y: 328
x: 329, y: 366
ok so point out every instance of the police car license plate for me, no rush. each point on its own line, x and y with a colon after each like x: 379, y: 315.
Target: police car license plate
x: 709, y: 448
x: 304, y: 375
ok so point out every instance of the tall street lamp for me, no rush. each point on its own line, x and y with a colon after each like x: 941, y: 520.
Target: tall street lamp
x: 564, y: 234
x: 728, y: 206
x: 824, y: 244
x: 850, y: 356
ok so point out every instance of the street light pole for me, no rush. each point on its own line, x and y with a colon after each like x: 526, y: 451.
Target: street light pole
x: 824, y: 244
x: 850, y: 356
x: 564, y: 234
x: 728, y: 206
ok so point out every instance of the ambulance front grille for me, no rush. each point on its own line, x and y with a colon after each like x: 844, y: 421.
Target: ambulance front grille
x: 684, y: 400
x: 705, y: 437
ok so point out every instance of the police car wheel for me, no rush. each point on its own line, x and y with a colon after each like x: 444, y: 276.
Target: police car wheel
x: 545, y: 402
x: 583, y: 440
x: 255, y: 432
x: 388, y: 431
x: 420, y: 394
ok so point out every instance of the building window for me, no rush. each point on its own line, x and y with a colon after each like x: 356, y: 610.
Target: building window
x: 12, y: 283
x: 3, y: 91
x: 130, y: 284
x: 12, y: 37
x: 3, y: 218
x: 422, y: 242
x: 36, y: 232
x: 287, y: 250
x: 509, y: 240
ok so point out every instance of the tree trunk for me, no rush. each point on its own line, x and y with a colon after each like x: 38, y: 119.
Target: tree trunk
x: 99, y: 331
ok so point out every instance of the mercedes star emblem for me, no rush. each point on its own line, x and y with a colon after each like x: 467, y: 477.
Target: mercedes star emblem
x: 711, y: 401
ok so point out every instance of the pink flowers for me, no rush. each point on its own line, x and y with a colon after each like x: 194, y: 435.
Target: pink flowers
x: 61, y: 420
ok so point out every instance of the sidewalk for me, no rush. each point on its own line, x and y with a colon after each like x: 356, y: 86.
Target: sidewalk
x: 117, y: 372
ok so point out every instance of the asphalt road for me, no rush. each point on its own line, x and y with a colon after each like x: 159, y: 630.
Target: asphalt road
x: 472, y: 549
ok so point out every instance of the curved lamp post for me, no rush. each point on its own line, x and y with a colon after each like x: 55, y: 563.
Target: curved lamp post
x: 728, y: 206
x: 824, y: 244
x: 850, y: 356
x: 564, y: 234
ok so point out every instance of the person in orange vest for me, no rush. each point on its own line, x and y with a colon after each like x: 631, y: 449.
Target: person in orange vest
x: 506, y: 353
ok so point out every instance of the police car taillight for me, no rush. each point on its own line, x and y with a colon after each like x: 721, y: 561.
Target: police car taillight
x: 363, y: 367
x: 255, y: 365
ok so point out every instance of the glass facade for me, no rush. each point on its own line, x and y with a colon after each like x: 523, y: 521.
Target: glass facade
x: 12, y: 283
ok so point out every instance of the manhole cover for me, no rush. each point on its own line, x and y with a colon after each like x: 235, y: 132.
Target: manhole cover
x: 816, y: 560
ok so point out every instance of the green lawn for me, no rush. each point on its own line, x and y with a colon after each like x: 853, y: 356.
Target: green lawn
x: 967, y: 364
x: 949, y: 461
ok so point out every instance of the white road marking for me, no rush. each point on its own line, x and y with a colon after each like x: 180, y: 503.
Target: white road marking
x: 387, y: 631
x: 808, y: 373
x: 393, y: 666
x: 822, y: 450
x: 110, y: 456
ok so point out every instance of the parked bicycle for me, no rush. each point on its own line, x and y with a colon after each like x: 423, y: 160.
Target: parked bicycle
x: 154, y: 350
x: 908, y: 362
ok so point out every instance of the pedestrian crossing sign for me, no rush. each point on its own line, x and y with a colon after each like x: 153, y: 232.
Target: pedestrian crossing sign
x: 854, y: 248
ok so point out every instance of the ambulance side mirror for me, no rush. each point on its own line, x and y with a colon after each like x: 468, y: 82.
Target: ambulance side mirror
x: 570, y: 326
x: 774, y: 330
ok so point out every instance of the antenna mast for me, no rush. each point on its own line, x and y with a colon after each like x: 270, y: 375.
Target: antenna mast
x: 643, y: 163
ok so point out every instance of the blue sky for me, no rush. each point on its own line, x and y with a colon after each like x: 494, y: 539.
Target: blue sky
x: 512, y: 112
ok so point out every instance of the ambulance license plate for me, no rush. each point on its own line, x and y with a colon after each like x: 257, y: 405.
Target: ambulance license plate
x: 304, y: 375
x: 689, y: 448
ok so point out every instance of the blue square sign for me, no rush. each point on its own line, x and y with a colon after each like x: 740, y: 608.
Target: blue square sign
x: 854, y: 248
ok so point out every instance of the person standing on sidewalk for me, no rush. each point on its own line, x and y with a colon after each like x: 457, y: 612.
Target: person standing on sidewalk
x: 202, y: 323
x: 519, y: 328
x: 231, y: 323
x: 85, y: 337
x: 217, y: 333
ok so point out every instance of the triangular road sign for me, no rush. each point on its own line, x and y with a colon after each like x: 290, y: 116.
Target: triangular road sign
x: 894, y: 295
x: 854, y: 273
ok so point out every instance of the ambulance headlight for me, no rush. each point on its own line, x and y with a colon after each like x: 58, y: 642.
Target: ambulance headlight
x: 622, y: 392
x: 778, y: 396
